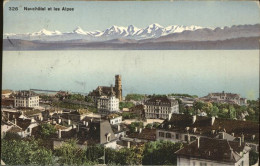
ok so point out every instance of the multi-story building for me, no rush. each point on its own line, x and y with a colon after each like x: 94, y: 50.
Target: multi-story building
x: 185, y: 128
x: 108, y: 103
x: 160, y: 107
x: 26, y: 99
x: 213, y: 152
x: 225, y: 98
x: 106, y: 90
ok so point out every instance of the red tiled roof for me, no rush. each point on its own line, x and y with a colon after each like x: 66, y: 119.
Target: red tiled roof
x: 203, y: 126
x: 146, y: 134
x: 213, y: 149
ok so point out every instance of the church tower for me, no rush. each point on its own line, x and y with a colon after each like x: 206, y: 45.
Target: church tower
x: 118, y: 87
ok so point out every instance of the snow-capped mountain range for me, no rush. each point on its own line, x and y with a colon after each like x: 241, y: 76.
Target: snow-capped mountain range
x: 114, y: 32
x: 152, y: 33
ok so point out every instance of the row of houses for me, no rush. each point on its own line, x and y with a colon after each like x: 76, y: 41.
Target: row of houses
x: 204, y: 138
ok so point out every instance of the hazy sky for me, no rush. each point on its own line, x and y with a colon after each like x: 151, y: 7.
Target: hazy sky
x: 101, y: 15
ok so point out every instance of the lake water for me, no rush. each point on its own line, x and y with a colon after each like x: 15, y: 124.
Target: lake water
x: 195, y: 72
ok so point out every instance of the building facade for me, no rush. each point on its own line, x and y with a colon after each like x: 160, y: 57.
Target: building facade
x: 160, y: 107
x: 26, y: 99
x: 185, y: 128
x: 108, y: 103
x: 225, y: 98
x: 106, y: 90
x: 213, y: 152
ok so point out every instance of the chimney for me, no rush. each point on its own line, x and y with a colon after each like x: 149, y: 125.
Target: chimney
x: 169, y: 116
x: 78, y: 128
x: 242, y: 138
x: 59, y: 120
x: 69, y: 122
x: 188, y: 138
x: 193, y: 119
x: 240, y: 141
x: 198, y: 142
x: 194, y: 130
x: 118, y: 127
x: 222, y: 135
x: 212, y: 120
x: 140, y: 130
x: 59, y: 133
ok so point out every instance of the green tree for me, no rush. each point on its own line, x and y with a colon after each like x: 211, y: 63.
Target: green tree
x: 198, y: 105
x: 14, y: 152
x: 134, y: 125
x: 47, y: 130
x: 77, y: 97
x: 125, y: 105
x: 215, y: 111
x: 135, y: 97
x: 89, y: 99
x: 232, y: 112
x: 70, y: 154
x: 128, y: 115
x: 160, y: 153
x: 253, y: 157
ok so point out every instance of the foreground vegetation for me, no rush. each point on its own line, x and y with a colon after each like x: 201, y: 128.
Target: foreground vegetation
x: 17, y: 151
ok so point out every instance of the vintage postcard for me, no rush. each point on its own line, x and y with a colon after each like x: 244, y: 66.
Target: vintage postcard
x: 130, y: 83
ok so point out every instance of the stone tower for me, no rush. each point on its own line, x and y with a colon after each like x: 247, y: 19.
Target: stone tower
x: 118, y: 87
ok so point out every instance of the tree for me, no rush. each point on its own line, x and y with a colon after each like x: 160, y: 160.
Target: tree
x: 125, y: 105
x: 207, y: 107
x: 47, y: 130
x: 135, y: 97
x: 128, y: 115
x: 89, y: 99
x: 232, y: 112
x: 253, y: 157
x: 198, y: 105
x: 215, y: 111
x: 125, y: 156
x: 160, y: 153
x: 77, y: 97
x: 14, y: 152
x: 69, y: 154
x: 134, y: 125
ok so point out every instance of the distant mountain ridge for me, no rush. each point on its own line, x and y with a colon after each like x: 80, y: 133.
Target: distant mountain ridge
x: 130, y: 32
x: 142, y: 38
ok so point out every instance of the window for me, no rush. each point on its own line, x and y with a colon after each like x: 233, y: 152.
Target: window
x: 161, y: 134
x: 177, y: 136
x: 168, y: 135
x: 186, y: 138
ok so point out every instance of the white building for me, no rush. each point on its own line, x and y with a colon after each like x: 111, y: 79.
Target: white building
x: 26, y: 99
x: 226, y: 98
x: 115, y: 120
x: 108, y: 103
x: 160, y: 107
x: 213, y: 152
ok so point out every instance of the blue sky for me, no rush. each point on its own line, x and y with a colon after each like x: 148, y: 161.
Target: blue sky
x: 100, y: 15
